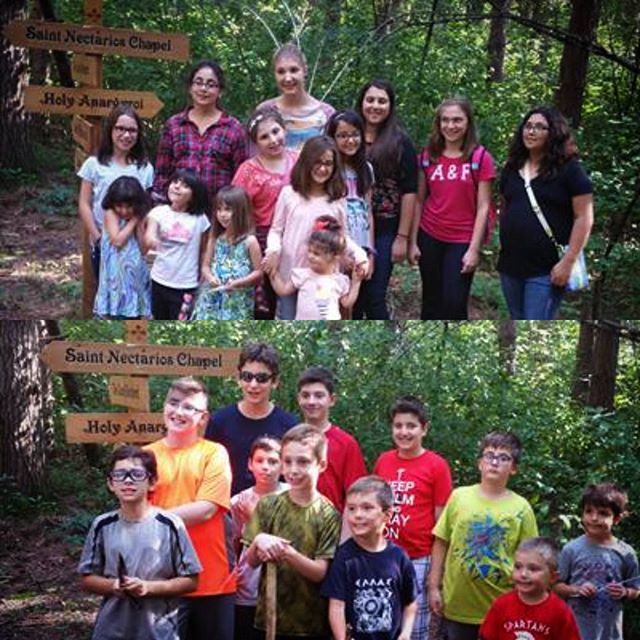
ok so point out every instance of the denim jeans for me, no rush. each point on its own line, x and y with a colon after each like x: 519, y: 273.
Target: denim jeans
x: 372, y: 302
x: 531, y: 298
x: 445, y: 291
x: 286, y: 307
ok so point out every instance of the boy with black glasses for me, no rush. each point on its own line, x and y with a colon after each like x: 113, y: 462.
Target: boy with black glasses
x: 138, y: 557
x: 476, y: 537
x: 239, y: 424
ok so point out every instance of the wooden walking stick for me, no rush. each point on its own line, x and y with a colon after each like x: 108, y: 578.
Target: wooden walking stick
x: 270, y: 600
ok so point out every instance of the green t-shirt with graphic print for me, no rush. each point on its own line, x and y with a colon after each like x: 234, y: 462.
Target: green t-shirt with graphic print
x: 483, y: 535
x: 314, y: 531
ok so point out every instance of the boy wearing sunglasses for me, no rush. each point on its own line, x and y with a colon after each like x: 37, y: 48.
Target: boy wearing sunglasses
x: 239, y: 424
x: 138, y: 557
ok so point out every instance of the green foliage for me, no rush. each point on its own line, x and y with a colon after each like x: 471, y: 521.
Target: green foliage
x: 15, y: 503
x: 60, y: 199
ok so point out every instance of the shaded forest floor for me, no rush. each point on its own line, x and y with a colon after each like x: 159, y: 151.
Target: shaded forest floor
x: 40, y: 257
x: 40, y: 598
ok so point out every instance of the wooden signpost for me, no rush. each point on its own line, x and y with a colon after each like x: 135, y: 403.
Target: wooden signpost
x: 90, y: 102
x: 90, y: 42
x: 138, y: 360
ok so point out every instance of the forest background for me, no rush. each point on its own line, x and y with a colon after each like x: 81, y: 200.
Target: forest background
x: 568, y: 389
x: 505, y: 55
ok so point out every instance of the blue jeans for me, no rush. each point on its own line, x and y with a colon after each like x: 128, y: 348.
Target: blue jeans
x: 445, y: 291
x: 286, y: 307
x: 531, y: 298
x: 372, y: 302
x: 421, y: 624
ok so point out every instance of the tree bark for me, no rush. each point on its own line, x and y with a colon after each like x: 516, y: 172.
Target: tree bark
x: 584, y: 361
x: 507, y: 346
x: 575, y: 59
x: 26, y: 404
x: 15, y: 148
x: 605, y: 364
x: 497, y: 41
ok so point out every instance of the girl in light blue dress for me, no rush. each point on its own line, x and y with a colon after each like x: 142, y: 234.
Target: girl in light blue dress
x: 231, y: 261
x: 124, y: 286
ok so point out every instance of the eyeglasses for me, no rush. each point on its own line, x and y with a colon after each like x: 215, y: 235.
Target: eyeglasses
x: 135, y: 475
x: 122, y: 130
x: 535, y: 127
x: 207, y: 84
x: 260, y: 378
x: 348, y: 136
x: 500, y: 458
x: 186, y: 408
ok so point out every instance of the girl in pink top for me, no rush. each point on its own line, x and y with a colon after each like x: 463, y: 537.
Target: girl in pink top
x: 321, y: 288
x: 263, y: 176
x: 454, y: 194
x: 317, y: 188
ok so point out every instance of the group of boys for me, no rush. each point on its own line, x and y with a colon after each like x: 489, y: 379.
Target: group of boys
x: 171, y: 563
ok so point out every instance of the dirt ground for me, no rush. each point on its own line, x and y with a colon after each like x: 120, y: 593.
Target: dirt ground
x: 39, y: 594
x: 40, y: 269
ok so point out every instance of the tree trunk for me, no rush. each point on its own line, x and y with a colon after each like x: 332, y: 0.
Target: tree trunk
x: 26, y: 404
x: 605, y: 364
x: 497, y: 41
x: 507, y: 346
x: 15, y: 149
x: 575, y: 59
x: 584, y: 360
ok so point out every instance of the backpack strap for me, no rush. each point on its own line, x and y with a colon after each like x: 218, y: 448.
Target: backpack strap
x: 477, y: 156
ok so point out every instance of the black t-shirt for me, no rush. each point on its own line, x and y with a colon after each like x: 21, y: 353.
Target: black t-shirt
x: 526, y: 251
x: 386, y: 195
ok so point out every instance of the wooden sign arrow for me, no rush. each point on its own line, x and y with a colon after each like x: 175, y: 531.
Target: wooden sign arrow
x: 129, y: 392
x: 114, y: 427
x: 90, y: 102
x: 148, y: 359
x: 85, y: 133
x: 64, y: 36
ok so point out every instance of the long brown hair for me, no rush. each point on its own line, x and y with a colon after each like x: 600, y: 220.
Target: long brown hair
x: 312, y: 151
x: 138, y: 153
x: 242, y: 224
x: 436, y: 141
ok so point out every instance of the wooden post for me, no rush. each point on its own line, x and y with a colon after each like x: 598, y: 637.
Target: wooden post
x: 271, y: 599
x: 92, y: 16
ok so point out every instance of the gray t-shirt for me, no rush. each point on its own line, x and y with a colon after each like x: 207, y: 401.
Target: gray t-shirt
x: 599, y: 617
x: 156, y: 548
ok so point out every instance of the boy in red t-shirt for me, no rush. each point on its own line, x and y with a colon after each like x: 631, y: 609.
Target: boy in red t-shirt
x: 421, y: 483
x: 345, y: 463
x: 531, y: 610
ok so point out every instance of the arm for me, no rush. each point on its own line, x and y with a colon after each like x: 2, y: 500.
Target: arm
x: 101, y: 585
x: 566, y: 590
x: 281, y: 287
x: 195, y: 512
x: 266, y: 548
x: 414, y: 252
x: 372, y: 235
x: 84, y: 210
x: 349, y: 299
x: 438, y: 555
x: 274, y: 237
x: 313, y: 570
x: 407, y: 211
x: 471, y: 258
x: 255, y: 255
x: 162, y: 588
x: 207, y: 260
x: 151, y: 239
x: 582, y: 223
x: 408, y: 618
x: 337, y: 620
x: 118, y: 237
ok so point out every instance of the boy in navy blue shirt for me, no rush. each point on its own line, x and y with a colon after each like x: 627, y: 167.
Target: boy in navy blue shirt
x: 239, y: 424
x: 371, y: 584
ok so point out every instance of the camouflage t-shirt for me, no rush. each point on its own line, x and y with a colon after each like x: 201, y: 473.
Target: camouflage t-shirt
x: 314, y: 531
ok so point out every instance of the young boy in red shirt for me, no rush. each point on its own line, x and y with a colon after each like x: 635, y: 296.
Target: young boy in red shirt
x: 421, y: 483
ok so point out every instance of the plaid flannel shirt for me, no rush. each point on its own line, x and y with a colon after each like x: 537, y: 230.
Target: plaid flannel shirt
x: 214, y: 156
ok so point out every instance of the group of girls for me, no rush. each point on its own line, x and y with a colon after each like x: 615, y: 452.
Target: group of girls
x: 311, y: 224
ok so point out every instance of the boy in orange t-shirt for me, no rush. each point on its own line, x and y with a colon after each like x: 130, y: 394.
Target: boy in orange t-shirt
x: 194, y: 480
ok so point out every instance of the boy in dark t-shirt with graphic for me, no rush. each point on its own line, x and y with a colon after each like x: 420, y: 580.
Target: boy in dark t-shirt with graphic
x: 239, y: 424
x: 371, y: 584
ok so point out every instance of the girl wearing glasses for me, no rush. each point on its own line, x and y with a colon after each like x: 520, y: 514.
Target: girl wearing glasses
x: 532, y: 274
x: 304, y: 115
x: 454, y: 194
x: 203, y: 138
x: 122, y: 152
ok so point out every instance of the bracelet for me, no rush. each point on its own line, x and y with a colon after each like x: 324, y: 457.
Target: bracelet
x: 402, y: 235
